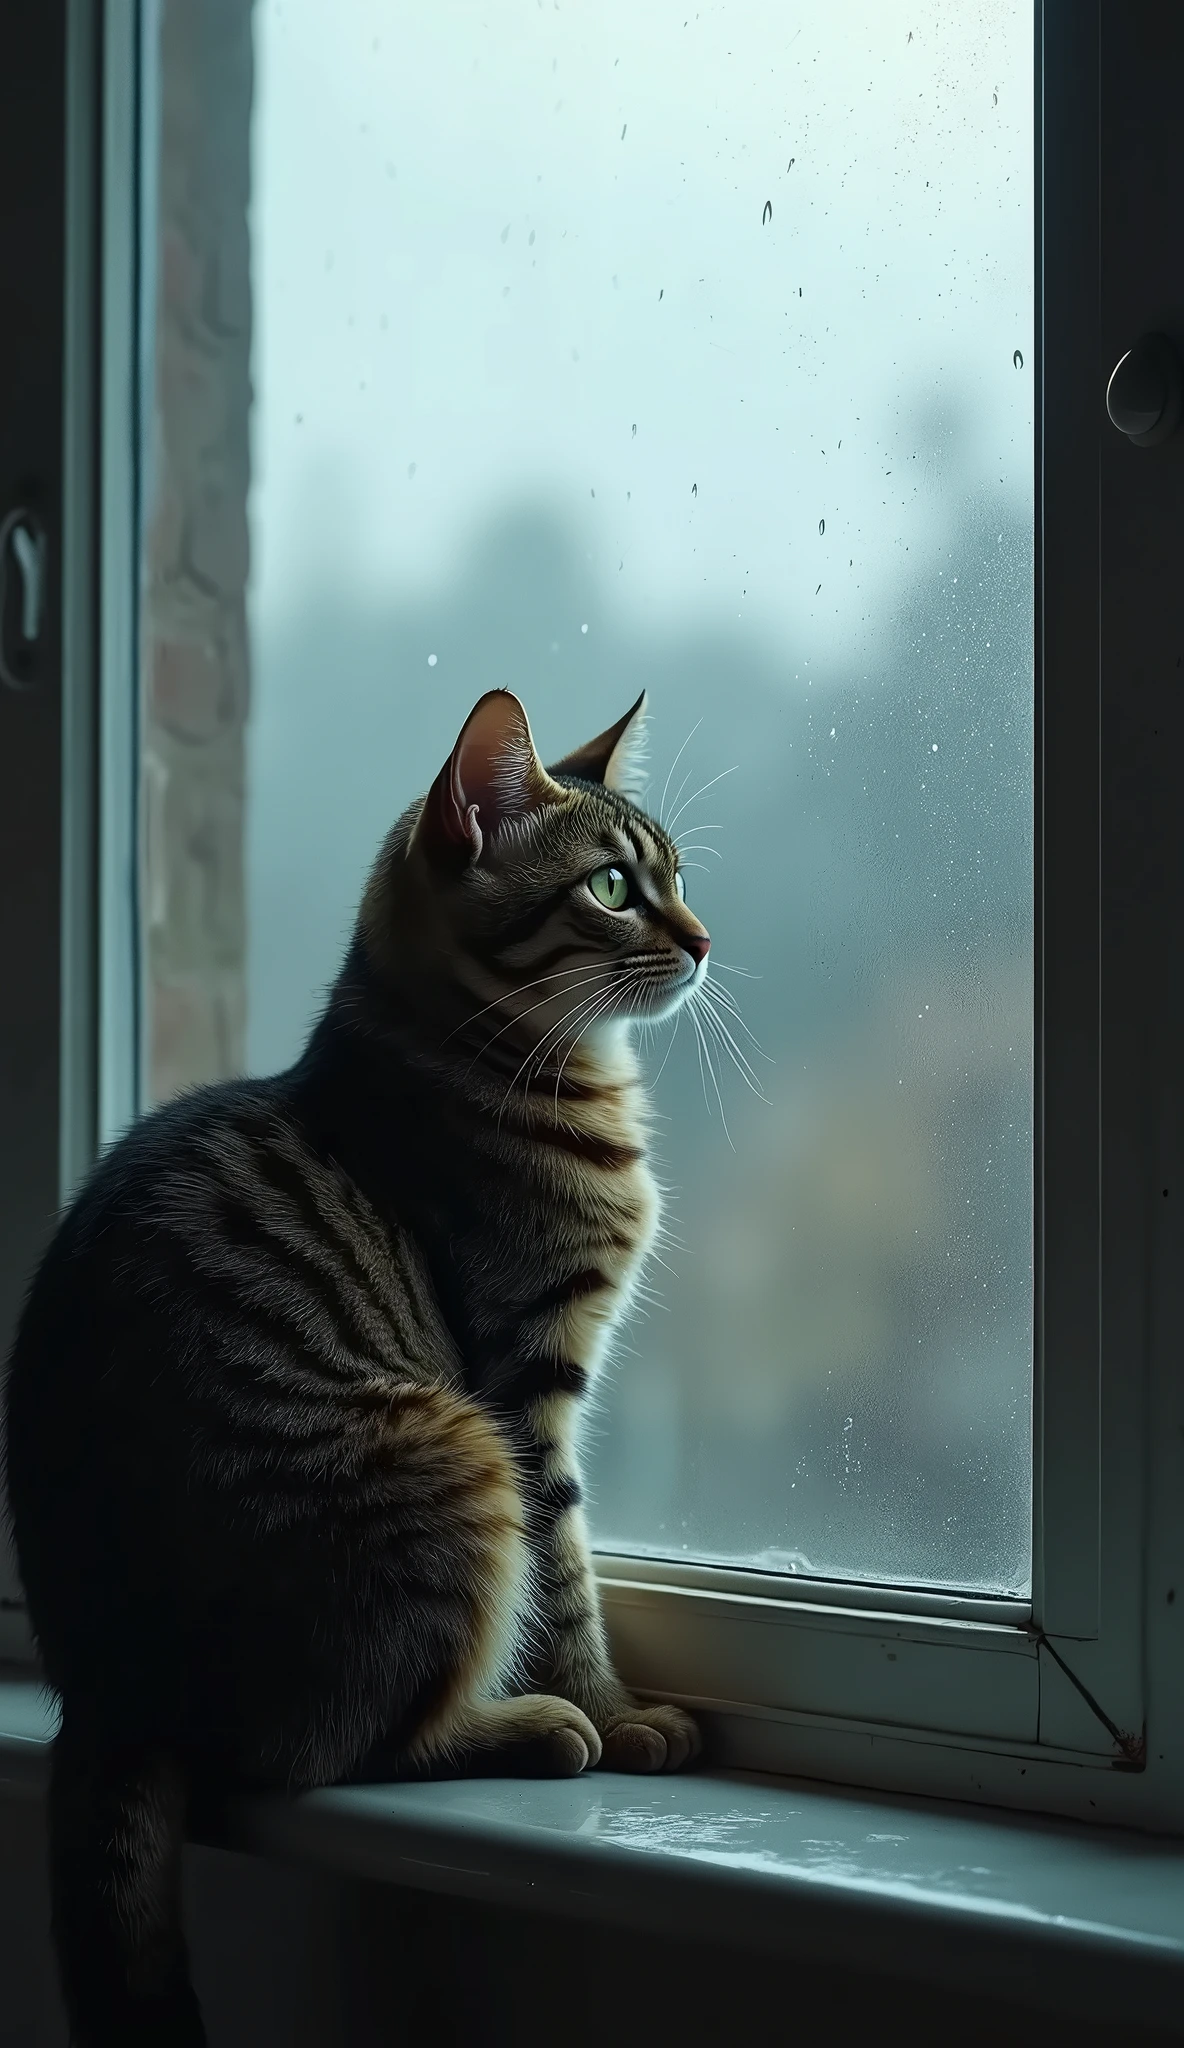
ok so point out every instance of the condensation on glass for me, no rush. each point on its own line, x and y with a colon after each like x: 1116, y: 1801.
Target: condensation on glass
x: 614, y: 346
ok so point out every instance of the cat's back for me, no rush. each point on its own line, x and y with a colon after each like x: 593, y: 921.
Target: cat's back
x: 128, y: 1252
x: 210, y: 1344
x: 215, y: 1276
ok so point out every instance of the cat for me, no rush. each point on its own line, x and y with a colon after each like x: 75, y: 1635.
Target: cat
x: 292, y: 1405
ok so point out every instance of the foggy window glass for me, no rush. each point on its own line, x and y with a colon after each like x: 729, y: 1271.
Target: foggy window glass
x: 690, y: 347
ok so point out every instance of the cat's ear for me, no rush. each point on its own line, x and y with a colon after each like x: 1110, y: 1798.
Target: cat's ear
x: 616, y: 757
x: 492, y: 775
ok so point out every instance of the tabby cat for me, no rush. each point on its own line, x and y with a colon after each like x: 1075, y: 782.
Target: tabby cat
x: 293, y: 1402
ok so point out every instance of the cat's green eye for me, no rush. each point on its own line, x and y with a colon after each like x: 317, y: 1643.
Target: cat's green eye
x: 610, y: 887
x: 680, y: 887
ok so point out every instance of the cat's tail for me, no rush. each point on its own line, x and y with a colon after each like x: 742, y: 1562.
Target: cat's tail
x: 116, y: 1829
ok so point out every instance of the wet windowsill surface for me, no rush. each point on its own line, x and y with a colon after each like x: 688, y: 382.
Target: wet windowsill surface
x: 1080, y: 1919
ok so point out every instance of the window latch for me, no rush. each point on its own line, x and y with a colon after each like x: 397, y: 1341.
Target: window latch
x: 22, y: 596
x: 1143, y: 397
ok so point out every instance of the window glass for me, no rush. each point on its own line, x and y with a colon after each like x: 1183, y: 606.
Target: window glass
x: 691, y: 347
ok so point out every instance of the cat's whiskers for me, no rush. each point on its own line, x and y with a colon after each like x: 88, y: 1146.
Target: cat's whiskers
x: 673, y: 765
x: 682, y: 785
x: 703, y: 1039
x: 631, y: 980
x: 725, y: 997
x: 552, y: 1038
x: 597, y: 974
x: 521, y: 989
x: 702, y: 790
x: 729, y: 1017
x: 727, y: 1043
x: 701, y: 1068
x: 589, y: 1009
x: 669, y: 1048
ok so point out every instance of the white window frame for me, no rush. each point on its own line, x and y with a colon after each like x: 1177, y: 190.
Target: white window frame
x: 1073, y: 1702
x: 1068, y: 1702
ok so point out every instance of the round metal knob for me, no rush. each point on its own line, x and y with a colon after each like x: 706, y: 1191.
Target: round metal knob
x: 1143, y: 397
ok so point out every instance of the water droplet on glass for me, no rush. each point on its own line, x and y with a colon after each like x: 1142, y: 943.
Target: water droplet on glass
x: 506, y: 233
x: 767, y: 215
x: 635, y: 431
x: 411, y: 469
x: 822, y: 526
x: 1018, y: 360
x: 694, y: 490
x: 623, y: 131
x: 583, y: 629
x: 935, y: 746
x: 431, y: 661
x: 662, y: 291
x: 530, y: 240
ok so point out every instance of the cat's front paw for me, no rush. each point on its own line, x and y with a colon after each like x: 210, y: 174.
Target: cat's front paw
x: 650, y: 1739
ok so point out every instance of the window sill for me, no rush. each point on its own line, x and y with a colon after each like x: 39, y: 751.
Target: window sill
x: 1058, y: 1915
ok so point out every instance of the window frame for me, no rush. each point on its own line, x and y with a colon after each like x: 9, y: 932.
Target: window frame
x: 47, y: 780
x: 1045, y: 1703
x: 88, y: 794
x: 1050, y: 1708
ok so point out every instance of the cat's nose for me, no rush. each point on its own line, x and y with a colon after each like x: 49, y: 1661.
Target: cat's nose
x: 697, y: 944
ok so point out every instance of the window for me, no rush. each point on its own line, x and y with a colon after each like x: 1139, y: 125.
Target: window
x: 593, y: 350
x: 758, y: 358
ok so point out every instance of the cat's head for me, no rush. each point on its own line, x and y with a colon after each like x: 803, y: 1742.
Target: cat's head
x: 547, y: 894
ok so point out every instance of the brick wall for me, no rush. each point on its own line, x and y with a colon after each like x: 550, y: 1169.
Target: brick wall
x: 195, y: 657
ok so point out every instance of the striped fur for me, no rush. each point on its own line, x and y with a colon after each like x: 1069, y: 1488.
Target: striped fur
x: 293, y: 1406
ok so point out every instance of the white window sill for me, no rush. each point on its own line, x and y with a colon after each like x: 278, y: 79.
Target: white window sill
x: 1075, y: 1919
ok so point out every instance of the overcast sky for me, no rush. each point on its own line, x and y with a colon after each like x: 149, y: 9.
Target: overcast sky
x: 650, y: 264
